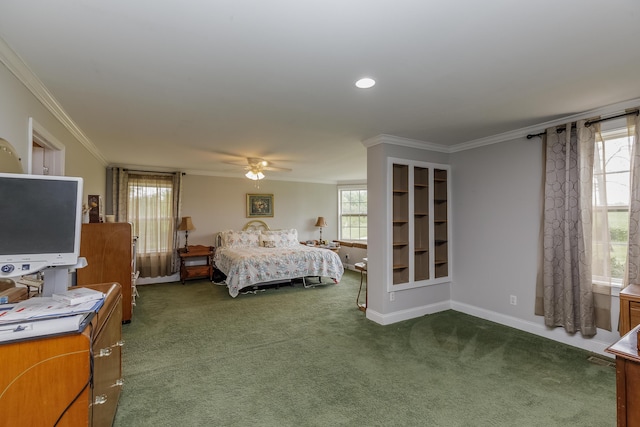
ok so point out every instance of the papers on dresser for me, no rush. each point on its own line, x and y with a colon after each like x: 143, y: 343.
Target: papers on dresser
x: 41, y: 327
x: 43, y: 308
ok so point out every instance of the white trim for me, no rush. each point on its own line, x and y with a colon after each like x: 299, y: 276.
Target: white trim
x: 222, y: 174
x: 40, y: 135
x: 555, y: 334
x: 339, y: 190
x: 608, y: 110
x: 412, y: 313
x: 432, y: 280
x: 154, y: 280
x: 23, y: 73
x: 405, y: 142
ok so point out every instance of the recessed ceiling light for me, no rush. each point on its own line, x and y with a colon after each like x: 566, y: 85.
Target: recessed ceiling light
x: 365, y: 83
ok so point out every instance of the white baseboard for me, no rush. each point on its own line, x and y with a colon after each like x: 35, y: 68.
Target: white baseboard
x: 398, y: 316
x: 152, y: 280
x: 556, y: 334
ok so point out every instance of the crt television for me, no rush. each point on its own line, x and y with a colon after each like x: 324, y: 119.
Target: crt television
x: 40, y: 222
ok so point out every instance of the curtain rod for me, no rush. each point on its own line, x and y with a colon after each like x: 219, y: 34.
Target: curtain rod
x: 153, y: 172
x: 590, y: 122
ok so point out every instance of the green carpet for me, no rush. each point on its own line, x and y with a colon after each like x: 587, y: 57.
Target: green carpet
x: 194, y: 356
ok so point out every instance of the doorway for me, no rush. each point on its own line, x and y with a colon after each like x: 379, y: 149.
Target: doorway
x: 46, y: 154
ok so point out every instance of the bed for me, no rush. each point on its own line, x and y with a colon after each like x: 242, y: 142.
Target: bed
x: 257, y: 256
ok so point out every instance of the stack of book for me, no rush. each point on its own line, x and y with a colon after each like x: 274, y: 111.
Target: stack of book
x: 42, y: 316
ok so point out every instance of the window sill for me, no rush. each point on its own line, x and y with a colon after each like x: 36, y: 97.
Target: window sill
x: 614, y: 287
x: 353, y: 244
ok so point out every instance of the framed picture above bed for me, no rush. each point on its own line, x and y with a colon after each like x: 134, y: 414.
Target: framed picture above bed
x: 259, y: 205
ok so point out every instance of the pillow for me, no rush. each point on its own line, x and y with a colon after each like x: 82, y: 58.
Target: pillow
x: 267, y: 243
x: 282, y: 238
x: 223, y: 238
x: 241, y: 239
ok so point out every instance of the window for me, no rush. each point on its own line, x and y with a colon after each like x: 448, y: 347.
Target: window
x: 610, y: 219
x: 151, y: 212
x: 352, y: 205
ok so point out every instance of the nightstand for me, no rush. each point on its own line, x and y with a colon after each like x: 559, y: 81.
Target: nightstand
x: 203, y: 256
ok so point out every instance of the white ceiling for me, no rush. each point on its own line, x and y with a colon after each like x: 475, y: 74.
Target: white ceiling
x: 192, y: 84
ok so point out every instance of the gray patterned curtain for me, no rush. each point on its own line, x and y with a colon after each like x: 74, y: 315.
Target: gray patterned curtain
x: 119, y: 193
x: 177, y: 215
x: 633, y: 257
x: 568, y: 298
x: 127, y: 207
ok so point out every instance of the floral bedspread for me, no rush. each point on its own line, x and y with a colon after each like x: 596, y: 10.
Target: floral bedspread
x: 252, y: 265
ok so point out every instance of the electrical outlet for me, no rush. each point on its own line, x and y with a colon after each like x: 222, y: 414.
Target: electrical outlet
x: 392, y: 296
x: 513, y: 300
x: 346, y: 256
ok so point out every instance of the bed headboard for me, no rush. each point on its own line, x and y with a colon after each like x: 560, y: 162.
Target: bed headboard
x: 256, y: 224
x: 253, y: 225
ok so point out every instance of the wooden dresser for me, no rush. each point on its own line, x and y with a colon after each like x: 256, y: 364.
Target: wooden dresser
x: 109, y: 250
x: 629, y: 308
x: 50, y: 378
x: 627, y: 379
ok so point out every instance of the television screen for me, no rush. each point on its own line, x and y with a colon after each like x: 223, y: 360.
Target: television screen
x: 41, y: 219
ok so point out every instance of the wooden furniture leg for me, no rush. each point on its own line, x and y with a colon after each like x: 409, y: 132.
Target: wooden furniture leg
x: 362, y: 268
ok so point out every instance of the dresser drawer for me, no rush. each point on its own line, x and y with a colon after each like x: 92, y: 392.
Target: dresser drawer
x: 629, y: 308
x: 634, y: 314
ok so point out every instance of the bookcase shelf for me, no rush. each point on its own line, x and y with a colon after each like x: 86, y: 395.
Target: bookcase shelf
x: 420, y: 222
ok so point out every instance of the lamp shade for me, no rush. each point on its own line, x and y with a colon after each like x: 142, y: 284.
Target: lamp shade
x: 186, y: 224
x: 321, y: 222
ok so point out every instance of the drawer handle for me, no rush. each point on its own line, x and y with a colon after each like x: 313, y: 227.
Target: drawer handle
x: 118, y: 383
x: 100, y: 400
x: 104, y: 352
x: 118, y: 344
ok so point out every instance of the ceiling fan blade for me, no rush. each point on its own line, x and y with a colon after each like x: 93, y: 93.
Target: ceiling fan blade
x: 276, y: 169
x: 257, y: 164
x: 239, y: 164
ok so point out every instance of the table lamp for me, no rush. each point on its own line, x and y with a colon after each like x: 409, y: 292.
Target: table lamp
x: 321, y: 223
x: 186, y: 225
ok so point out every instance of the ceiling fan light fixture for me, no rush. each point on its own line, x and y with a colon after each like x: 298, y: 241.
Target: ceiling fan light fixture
x: 365, y: 83
x: 255, y: 176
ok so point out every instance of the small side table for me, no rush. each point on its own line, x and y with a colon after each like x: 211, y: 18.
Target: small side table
x: 201, y: 253
x: 362, y: 268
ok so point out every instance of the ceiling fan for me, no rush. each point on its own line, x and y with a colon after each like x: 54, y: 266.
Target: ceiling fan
x: 256, y: 166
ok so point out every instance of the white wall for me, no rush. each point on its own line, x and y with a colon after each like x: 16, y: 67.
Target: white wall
x: 497, y: 210
x: 219, y: 203
x: 410, y: 302
x: 496, y: 217
x: 17, y: 105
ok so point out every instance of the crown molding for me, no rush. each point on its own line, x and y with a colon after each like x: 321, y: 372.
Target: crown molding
x: 609, y: 110
x: 267, y: 177
x: 405, y: 142
x: 197, y: 172
x: 23, y: 73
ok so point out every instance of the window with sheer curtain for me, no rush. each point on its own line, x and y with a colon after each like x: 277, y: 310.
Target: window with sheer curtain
x: 611, y: 195
x: 150, y: 209
x: 591, y: 227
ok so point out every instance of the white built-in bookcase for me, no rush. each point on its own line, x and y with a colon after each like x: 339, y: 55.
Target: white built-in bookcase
x: 419, y: 230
